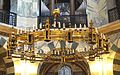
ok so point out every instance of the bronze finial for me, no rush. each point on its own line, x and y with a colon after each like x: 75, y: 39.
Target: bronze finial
x: 91, y: 23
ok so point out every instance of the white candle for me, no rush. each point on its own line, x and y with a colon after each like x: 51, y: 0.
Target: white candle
x: 84, y: 26
x: 59, y: 25
x: 63, y: 25
x: 18, y: 31
x: 75, y: 26
x: 40, y: 25
x: 80, y: 26
x: 36, y: 26
x: 21, y: 31
x: 54, y: 23
x: 33, y: 27
x: 25, y: 29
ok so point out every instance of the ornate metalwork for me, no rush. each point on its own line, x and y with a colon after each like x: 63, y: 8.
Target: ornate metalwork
x: 98, y: 44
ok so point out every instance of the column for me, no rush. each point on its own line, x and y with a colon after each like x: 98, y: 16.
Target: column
x: 72, y: 12
x: 52, y: 6
x: 6, y: 5
x: 1, y: 4
x: 39, y: 17
x: 72, y: 7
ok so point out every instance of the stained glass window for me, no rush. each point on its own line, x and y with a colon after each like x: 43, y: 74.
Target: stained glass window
x: 65, y: 70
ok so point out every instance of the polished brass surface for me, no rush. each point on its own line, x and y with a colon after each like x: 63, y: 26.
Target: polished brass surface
x: 97, y: 42
x: 89, y: 35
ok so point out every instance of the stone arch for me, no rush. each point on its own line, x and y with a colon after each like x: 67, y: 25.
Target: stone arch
x: 77, y: 68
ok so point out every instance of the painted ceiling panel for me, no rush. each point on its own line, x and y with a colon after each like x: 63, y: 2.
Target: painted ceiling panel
x: 96, y: 1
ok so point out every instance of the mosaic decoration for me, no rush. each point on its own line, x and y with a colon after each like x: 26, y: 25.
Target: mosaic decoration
x: 96, y: 1
x: 27, y: 12
x: 115, y: 46
x: 115, y: 41
x: 28, y: 8
x: 13, y: 6
x: 97, y: 11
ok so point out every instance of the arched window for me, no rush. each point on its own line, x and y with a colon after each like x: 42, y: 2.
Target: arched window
x: 65, y: 70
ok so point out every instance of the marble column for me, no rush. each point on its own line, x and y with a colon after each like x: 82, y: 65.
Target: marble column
x: 39, y: 19
x: 52, y: 6
x: 72, y: 12
x: 1, y: 4
x: 72, y: 7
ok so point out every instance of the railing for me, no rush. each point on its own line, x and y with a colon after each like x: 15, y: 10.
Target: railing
x: 69, y: 20
x: 8, y: 17
x: 113, y: 14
